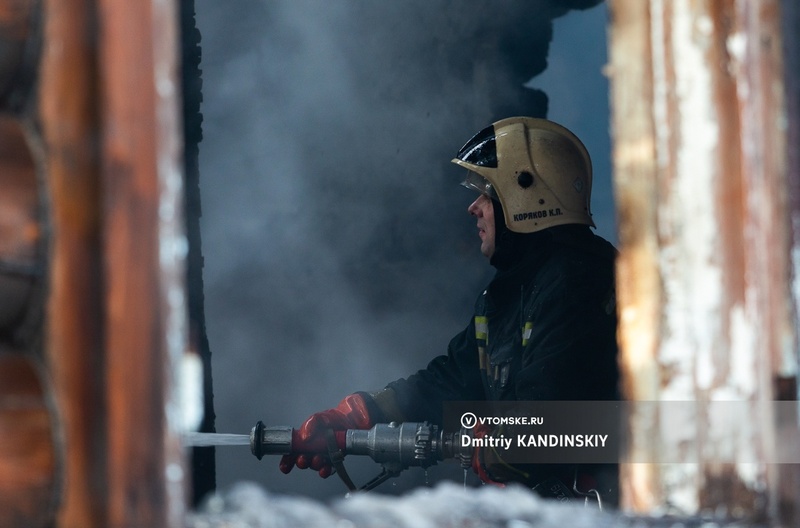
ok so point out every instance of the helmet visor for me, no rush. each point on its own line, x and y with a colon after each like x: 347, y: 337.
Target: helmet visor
x: 478, y: 183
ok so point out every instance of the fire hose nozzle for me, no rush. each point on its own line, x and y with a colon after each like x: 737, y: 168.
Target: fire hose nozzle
x: 283, y: 440
x: 395, y: 446
x: 402, y: 445
x: 270, y: 440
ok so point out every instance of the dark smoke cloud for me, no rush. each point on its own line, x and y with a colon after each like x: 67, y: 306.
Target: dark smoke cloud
x: 578, y: 97
x: 339, y: 255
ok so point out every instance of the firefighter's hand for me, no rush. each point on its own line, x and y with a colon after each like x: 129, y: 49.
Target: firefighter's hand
x: 351, y: 413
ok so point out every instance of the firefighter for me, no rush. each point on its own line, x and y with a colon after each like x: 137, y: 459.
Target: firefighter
x: 545, y: 326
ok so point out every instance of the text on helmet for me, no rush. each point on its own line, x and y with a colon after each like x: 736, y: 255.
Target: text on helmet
x: 533, y: 215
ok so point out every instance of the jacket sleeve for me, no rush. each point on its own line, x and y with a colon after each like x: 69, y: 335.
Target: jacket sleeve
x: 451, y: 377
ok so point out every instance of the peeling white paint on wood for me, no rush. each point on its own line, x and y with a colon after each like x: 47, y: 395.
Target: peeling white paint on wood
x: 708, y: 88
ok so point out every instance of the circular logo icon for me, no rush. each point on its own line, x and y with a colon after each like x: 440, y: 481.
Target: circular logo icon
x: 468, y: 420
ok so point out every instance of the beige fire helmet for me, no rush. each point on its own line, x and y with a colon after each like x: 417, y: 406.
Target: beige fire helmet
x: 539, y: 171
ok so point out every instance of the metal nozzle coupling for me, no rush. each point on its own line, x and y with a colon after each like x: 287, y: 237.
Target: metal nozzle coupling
x: 406, y: 444
x: 275, y: 440
x: 454, y: 448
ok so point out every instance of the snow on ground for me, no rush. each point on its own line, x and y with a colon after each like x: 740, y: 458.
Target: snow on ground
x: 447, y: 505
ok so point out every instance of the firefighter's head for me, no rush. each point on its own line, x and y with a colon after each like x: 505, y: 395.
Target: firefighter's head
x: 538, y: 172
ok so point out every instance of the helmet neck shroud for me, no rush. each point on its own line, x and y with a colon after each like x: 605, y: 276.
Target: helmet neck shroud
x: 509, y: 247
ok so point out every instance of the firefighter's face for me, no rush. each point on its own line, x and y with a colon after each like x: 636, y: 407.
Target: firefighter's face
x: 483, y: 211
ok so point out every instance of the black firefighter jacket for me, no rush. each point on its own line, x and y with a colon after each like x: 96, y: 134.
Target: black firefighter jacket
x: 544, y: 329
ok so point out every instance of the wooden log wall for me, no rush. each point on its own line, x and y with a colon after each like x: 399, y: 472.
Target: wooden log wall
x: 700, y: 120
x: 92, y: 256
x: 28, y: 456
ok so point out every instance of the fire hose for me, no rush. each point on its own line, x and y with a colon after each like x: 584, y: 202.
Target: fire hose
x: 395, y: 446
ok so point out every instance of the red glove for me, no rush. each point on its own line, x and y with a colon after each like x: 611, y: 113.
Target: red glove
x: 478, y: 456
x: 351, y: 413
